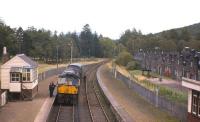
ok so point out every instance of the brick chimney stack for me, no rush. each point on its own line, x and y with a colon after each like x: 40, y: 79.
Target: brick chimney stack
x: 5, y: 56
x: 4, y: 51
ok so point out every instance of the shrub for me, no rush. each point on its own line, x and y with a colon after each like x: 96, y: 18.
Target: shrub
x: 133, y: 65
x: 123, y: 58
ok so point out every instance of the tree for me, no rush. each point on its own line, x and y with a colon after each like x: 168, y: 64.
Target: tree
x: 167, y: 45
x: 1, y: 22
x: 7, y: 38
x: 107, y: 47
x: 86, y: 38
x: 123, y: 58
x: 185, y: 35
x: 19, y: 35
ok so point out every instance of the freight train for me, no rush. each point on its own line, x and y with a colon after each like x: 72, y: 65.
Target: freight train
x: 68, y: 84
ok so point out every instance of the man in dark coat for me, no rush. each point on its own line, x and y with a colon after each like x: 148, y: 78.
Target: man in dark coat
x: 51, y: 89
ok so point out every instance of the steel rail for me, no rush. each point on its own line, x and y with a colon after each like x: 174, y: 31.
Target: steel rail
x: 100, y: 103
x: 59, y: 114
x: 91, y: 75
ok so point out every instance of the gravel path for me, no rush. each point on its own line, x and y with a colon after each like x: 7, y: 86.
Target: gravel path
x: 26, y: 111
x: 139, y: 109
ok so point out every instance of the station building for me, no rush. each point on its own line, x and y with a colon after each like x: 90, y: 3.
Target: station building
x: 19, y: 77
x: 193, y: 99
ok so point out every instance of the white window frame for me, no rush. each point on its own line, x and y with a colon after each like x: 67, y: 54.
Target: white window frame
x: 194, y: 105
x: 13, y: 75
x: 198, y: 106
x: 25, y: 73
x: 34, y: 74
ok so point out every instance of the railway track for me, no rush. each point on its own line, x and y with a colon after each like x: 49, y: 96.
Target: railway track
x: 89, y: 107
x: 97, y: 112
x: 65, y: 114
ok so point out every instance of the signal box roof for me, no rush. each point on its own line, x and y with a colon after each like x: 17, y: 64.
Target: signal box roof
x: 20, y: 60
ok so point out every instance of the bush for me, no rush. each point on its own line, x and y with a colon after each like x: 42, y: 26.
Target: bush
x: 123, y: 58
x: 133, y: 65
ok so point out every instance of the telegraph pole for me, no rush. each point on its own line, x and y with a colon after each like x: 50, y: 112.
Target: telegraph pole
x: 71, y: 52
x: 57, y: 56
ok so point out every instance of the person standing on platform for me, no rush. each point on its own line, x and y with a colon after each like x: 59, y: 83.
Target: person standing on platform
x: 51, y: 89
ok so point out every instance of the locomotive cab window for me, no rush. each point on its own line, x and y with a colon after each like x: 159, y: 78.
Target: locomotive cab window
x: 68, y: 81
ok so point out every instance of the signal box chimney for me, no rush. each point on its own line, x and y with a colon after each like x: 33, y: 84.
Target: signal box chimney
x: 5, y: 56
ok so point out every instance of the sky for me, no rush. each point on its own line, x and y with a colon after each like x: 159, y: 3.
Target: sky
x: 107, y: 17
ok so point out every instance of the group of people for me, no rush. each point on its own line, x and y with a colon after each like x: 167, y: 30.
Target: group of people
x: 51, y: 88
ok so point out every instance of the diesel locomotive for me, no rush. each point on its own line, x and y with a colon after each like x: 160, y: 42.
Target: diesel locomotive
x: 68, y: 84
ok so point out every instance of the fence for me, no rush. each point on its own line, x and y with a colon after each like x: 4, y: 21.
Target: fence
x: 178, y: 110
x: 50, y: 73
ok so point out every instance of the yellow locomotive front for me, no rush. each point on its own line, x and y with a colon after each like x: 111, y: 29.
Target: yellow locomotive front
x: 68, y: 86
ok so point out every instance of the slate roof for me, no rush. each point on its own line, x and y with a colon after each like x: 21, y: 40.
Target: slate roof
x: 27, y: 60
x: 24, y: 58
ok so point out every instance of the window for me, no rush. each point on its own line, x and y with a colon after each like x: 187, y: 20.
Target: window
x: 196, y: 103
x: 199, y: 106
x: 26, y: 74
x: 15, y: 77
x: 34, y: 74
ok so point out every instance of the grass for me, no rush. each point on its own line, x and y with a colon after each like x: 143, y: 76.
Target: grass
x: 44, y: 67
x: 169, y: 93
x: 136, y: 72
x: 173, y: 95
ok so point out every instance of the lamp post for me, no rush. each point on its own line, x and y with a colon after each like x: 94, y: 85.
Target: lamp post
x: 196, y: 61
x: 162, y: 66
x: 157, y: 56
x: 71, y: 50
x: 57, y: 56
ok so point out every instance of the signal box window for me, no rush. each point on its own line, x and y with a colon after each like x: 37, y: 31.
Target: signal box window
x: 15, y: 77
x: 26, y: 75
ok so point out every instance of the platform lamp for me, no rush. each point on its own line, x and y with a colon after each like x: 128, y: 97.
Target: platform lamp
x: 71, y: 46
x: 162, y: 65
x: 181, y: 58
x: 196, y: 64
x: 57, y: 56
x: 143, y: 60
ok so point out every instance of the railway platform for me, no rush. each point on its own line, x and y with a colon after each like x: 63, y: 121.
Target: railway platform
x: 129, y: 105
x: 29, y: 111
